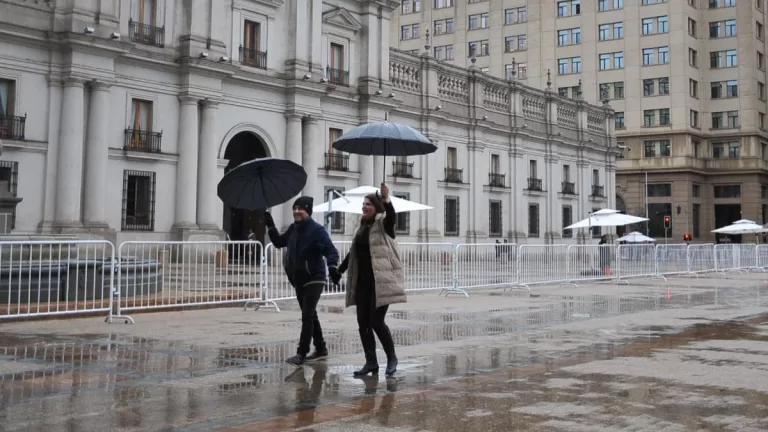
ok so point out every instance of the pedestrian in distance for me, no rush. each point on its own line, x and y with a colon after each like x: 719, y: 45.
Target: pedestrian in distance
x: 307, y: 243
x: 375, y: 279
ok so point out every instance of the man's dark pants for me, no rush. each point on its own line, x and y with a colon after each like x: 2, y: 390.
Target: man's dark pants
x: 308, y: 297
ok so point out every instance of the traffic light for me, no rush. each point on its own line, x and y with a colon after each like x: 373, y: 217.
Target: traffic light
x: 687, y: 238
x: 679, y: 209
x: 667, y: 221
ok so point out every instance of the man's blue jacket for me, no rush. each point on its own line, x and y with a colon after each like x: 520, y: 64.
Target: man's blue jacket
x: 307, y: 243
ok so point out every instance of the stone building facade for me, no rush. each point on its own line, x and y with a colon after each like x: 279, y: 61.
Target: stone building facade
x: 120, y: 117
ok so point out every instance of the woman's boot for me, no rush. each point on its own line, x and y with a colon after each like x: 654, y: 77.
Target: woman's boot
x: 388, y: 344
x: 369, y: 348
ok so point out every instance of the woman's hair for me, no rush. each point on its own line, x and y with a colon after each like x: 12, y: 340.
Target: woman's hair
x: 375, y: 200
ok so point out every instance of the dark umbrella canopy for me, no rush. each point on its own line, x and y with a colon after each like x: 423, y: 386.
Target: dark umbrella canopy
x: 262, y: 183
x: 384, y: 139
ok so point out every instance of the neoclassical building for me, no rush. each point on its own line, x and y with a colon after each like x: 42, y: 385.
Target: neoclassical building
x: 118, y: 118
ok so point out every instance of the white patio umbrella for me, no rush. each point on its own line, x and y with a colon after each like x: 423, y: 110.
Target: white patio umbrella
x: 635, y: 237
x: 607, y: 218
x: 352, y: 202
x: 743, y: 226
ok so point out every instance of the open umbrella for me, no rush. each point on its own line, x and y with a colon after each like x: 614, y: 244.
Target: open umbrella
x: 354, y: 204
x: 385, y: 139
x: 262, y: 183
x: 743, y: 226
x: 635, y: 237
x: 606, y: 218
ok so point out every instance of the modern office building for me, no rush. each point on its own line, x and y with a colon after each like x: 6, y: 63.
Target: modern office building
x: 119, y: 118
x: 686, y: 78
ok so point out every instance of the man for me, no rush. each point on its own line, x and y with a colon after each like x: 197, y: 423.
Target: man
x: 307, y: 243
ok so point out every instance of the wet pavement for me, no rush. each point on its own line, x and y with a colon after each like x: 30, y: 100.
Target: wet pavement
x: 681, y: 356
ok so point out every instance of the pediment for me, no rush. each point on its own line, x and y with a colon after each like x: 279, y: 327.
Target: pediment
x: 258, y: 5
x: 342, y: 18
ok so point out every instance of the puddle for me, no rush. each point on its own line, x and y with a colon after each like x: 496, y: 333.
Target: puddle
x: 152, y: 384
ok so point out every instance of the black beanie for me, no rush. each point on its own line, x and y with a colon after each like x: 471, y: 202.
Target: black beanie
x: 304, y: 203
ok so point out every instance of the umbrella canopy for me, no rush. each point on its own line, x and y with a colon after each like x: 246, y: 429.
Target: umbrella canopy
x: 262, y: 183
x: 607, y: 218
x: 352, y: 202
x: 385, y: 139
x: 635, y: 237
x: 743, y: 226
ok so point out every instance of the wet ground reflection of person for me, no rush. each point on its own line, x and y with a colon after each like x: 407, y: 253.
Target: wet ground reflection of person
x: 368, y: 404
x: 308, y: 395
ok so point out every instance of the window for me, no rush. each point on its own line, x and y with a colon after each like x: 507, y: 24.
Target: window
x: 720, y: 29
x: 696, y: 148
x: 337, y: 60
x: 608, y: 61
x: 726, y: 150
x: 724, y: 89
x: 479, y: 48
x: 595, y: 177
x: 569, y: 65
x: 532, y: 169
x: 569, y: 37
x: 444, y: 52
x: 656, y: 213
x: 655, y: 25
x: 138, y: 201
x: 723, y: 59
x: 566, y: 173
x: 654, y: 148
x: 567, y: 221
x: 337, y: 218
x: 696, y: 191
x: 403, y: 223
x: 696, y: 216
x: 410, y: 6
x: 568, y: 8
x: 144, y: 12
x: 495, y: 164
x: 443, y: 26
x: 140, y: 132
x: 533, y: 220
x: 9, y: 173
x: 439, y: 4
x: 336, y: 160
x: 694, y: 118
x: 606, y: 5
x: 612, y: 90
x: 659, y: 190
x: 495, y: 222
x: 251, y: 41
x: 410, y: 31
x: 563, y: 91
x: 725, y: 120
x: 760, y: 61
x: 759, y: 30
x: 648, y: 56
x: 522, y: 70
x: 451, y: 216
x: 693, y: 58
x: 727, y: 191
x: 610, y: 31
x: 715, y: 4
x: 451, y: 161
x: 649, y: 86
x: 515, y: 15
x: 693, y: 88
x: 649, y: 117
x: 619, y: 120
x: 515, y: 43
x: 692, y: 27
x: 761, y: 90
x: 7, y: 96
x: 478, y: 21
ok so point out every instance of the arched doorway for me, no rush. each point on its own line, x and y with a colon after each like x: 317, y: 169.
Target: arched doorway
x: 240, y: 225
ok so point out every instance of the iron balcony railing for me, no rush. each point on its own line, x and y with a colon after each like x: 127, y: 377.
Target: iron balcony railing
x: 569, y: 188
x: 13, y: 127
x: 402, y: 169
x: 598, y: 191
x: 534, y: 184
x: 146, y: 34
x: 453, y: 175
x: 143, y: 141
x: 253, y: 58
x: 337, y: 76
x: 497, y: 180
x: 336, y: 162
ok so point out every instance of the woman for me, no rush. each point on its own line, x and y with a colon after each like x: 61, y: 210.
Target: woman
x: 375, y: 279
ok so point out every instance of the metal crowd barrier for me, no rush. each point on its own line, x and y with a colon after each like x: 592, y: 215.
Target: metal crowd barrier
x: 75, y: 277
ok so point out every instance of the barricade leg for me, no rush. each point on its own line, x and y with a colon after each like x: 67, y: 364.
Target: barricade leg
x: 516, y: 284
x: 454, y: 289
x: 115, y: 312
x: 263, y: 300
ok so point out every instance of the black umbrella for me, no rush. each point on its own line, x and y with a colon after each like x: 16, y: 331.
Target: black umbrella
x: 385, y: 139
x: 262, y: 183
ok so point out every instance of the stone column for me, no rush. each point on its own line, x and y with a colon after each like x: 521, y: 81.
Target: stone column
x: 293, y: 137
x: 480, y: 206
x: 311, y: 148
x: 367, y: 176
x: 521, y: 176
x: 69, y: 178
x: 96, y: 157
x: 186, y: 168
x: 208, y: 209
x: 379, y: 168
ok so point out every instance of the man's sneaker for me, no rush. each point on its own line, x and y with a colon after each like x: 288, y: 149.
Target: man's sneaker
x: 296, y: 360
x: 317, y: 356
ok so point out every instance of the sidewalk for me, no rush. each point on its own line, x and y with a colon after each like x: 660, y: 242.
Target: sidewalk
x: 204, y: 369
